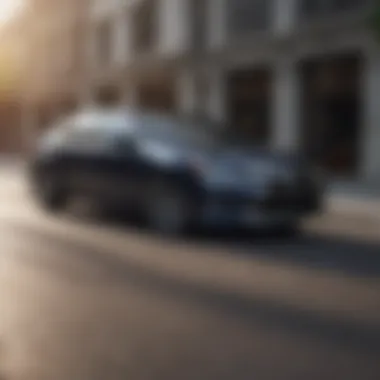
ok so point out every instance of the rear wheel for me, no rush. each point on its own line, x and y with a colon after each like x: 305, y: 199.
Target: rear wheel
x: 168, y: 210
x: 50, y: 192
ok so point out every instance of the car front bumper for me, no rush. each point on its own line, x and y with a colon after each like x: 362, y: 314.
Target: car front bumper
x: 246, y: 211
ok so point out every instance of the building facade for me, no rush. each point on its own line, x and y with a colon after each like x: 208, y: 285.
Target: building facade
x: 289, y: 74
x: 53, y: 62
x: 11, y: 57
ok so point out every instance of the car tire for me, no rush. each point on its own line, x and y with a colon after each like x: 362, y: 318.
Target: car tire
x: 289, y: 231
x: 50, y: 193
x: 168, y: 210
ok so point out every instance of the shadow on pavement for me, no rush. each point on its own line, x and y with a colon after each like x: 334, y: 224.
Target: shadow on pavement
x: 344, y: 254
x: 113, y: 270
x: 347, y: 254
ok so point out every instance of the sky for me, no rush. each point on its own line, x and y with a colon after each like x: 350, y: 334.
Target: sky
x: 8, y: 8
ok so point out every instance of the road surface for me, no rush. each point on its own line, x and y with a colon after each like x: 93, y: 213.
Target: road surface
x: 85, y: 300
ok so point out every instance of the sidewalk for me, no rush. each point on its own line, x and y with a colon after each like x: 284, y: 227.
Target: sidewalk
x: 12, y: 162
x: 354, y: 207
x: 355, y: 202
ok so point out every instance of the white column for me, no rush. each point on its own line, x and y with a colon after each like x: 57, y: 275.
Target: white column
x: 174, y: 26
x: 216, y: 105
x: 284, y: 16
x: 121, y: 37
x: 89, y: 60
x: 86, y: 93
x: 90, y: 48
x: 286, y: 110
x: 187, y: 97
x: 371, y: 122
x: 130, y: 95
x: 122, y: 45
x: 286, y: 96
x: 217, y: 25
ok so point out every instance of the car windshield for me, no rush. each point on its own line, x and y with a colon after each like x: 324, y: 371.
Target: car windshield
x: 181, y: 131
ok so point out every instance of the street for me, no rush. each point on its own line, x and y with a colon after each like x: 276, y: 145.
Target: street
x: 82, y: 299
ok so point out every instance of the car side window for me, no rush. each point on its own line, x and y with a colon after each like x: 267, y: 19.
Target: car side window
x: 122, y: 137
x: 88, y: 139
x: 56, y: 136
x: 98, y: 132
x: 87, y: 136
x: 123, y: 144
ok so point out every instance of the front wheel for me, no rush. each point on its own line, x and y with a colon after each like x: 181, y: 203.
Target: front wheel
x: 168, y: 210
x: 291, y: 230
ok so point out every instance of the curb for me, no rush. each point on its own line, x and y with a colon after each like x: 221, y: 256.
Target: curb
x: 368, y: 209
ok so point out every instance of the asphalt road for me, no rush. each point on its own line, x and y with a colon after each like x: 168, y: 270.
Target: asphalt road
x: 84, y: 300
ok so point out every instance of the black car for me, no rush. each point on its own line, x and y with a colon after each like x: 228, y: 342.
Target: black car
x: 175, y: 172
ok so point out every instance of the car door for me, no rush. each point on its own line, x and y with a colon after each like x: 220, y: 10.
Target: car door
x: 121, y: 169
x: 110, y: 157
x: 86, y: 150
x: 73, y: 156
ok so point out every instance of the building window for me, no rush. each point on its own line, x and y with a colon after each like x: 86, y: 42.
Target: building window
x: 320, y: 8
x: 104, y: 43
x: 107, y: 95
x: 246, y: 16
x: 198, y: 22
x: 145, y: 26
x: 249, y: 105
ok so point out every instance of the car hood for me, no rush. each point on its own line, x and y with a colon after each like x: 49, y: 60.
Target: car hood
x: 227, y: 163
x: 254, y: 169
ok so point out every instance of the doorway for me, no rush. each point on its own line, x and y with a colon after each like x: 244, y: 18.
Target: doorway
x: 109, y: 95
x: 157, y: 95
x: 332, y: 113
x: 248, y: 99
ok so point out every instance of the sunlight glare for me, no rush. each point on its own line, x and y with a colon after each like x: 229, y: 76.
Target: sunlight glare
x: 8, y: 8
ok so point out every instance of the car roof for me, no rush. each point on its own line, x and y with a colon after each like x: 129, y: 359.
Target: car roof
x: 122, y: 118
x: 94, y: 117
x: 103, y: 113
